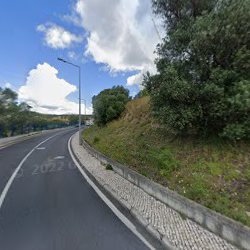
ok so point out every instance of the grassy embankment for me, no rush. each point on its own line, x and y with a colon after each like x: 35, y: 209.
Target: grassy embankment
x: 212, y: 172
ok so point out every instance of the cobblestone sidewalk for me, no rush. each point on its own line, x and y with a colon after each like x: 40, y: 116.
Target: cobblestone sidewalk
x: 180, y: 232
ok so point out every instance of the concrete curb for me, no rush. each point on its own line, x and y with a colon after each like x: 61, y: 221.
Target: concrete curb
x: 8, y: 141
x: 228, y: 229
x: 13, y: 140
x: 163, y: 241
x: 139, y: 219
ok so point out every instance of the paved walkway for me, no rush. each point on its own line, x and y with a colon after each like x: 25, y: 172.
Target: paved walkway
x: 178, y: 231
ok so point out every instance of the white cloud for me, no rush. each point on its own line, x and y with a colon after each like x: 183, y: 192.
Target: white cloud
x: 47, y: 93
x: 57, y: 37
x: 8, y: 85
x: 135, y: 79
x: 121, y: 34
x: 138, y: 78
x: 72, y: 55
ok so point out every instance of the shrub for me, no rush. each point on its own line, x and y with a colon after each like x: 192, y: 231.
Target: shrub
x: 109, y: 167
x: 96, y: 140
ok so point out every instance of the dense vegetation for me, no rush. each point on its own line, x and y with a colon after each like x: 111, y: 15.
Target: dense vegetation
x: 203, y: 81
x: 17, y: 118
x: 210, y: 171
x: 201, y: 92
x: 109, y: 104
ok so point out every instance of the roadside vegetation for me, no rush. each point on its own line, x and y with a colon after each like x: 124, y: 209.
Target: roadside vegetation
x: 17, y: 118
x: 189, y: 129
x: 109, y: 104
x: 203, y: 82
x: 211, y: 171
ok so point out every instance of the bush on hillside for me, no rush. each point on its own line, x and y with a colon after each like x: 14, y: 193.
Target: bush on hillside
x: 203, y: 67
x: 141, y: 93
x: 109, y: 104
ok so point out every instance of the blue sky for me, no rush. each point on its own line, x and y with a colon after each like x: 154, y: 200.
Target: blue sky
x: 112, y: 45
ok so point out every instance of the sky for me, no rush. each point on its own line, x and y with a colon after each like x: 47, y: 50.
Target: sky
x: 113, y: 41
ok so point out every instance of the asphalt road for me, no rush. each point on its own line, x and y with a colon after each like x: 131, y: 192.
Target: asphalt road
x: 50, y: 206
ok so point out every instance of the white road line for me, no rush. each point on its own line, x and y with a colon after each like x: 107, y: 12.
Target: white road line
x: 11, y: 179
x: 60, y: 157
x: 122, y: 217
x: 40, y: 148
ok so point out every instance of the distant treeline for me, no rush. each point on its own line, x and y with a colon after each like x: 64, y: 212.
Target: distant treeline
x: 17, y: 118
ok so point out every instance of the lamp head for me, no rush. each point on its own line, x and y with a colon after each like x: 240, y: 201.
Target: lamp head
x: 60, y: 59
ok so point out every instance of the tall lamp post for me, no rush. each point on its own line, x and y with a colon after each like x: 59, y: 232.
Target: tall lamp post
x: 85, y: 103
x: 79, y: 69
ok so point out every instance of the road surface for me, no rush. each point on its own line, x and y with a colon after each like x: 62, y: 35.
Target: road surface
x: 49, y: 205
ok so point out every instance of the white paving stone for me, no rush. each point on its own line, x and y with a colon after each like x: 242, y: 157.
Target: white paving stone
x: 180, y: 232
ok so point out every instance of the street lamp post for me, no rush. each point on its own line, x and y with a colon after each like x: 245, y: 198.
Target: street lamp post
x: 85, y: 114
x: 79, y: 69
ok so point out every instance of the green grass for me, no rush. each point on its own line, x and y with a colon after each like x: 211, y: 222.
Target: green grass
x: 211, y: 172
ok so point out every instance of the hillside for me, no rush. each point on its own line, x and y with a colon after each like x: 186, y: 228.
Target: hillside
x: 212, y: 172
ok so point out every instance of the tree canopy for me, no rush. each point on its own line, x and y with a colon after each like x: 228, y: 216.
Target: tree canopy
x: 203, y: 80
x: 109, y: 104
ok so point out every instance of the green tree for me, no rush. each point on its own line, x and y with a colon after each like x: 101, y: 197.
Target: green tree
x: 17, y: 118
x: 141, y: 93
x: 8, y: 106
x: 109, y: 104
x: 73, y: 119
x: 203, y: 66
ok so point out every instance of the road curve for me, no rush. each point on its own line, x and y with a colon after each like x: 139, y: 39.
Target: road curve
x: 49, y: 205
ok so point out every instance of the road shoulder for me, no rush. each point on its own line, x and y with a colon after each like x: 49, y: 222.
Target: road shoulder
x: 163, y: 223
